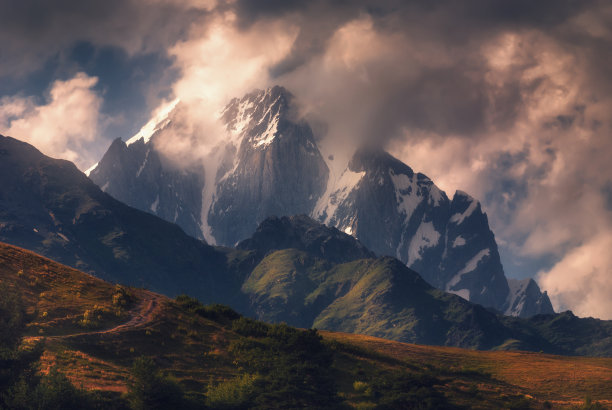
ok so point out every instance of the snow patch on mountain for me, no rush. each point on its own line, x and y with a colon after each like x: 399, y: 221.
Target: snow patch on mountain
x: 90, y: 169
x: 269, y: 134
x: 407, y: 194
x: 240, y: 123
x: 155, y: 204
x: 340, y: 183
x: 458, y: 218
x: 336, y: 193
x: 435, y: 195
x: 158, y: 122
x: 459, y: 241
x: 470, y: 266
x: 211, y: 169
x: 142, y: 166
x: 426, y: 236
x: 473, y: 263
x: 464, y: 293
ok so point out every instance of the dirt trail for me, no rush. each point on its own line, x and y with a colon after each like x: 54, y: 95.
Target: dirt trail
x: 141, y: 315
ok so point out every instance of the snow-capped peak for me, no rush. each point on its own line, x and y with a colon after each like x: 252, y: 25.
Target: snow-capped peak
x: 458, y: 218
x: 159, y: 121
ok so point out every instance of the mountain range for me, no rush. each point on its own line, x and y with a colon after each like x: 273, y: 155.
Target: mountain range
x: 271, y: 163
x: 292, y: 269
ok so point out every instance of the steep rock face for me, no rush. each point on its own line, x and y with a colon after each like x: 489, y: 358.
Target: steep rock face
x: 395, y: 211
x: 471, y: 260
x: 140, y: 177
x: 270, y: 164
x: 278, y: 169
x: 525, y: 299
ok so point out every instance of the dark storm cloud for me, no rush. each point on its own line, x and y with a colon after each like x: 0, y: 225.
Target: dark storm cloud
x: 438, y: 99
x: 33, y: 31
x: 545, y: 13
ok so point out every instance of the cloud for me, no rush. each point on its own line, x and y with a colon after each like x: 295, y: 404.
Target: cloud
x: 217, y: 62
x: 37, y: 30
x: 580, y: 281
x: 65, y: 126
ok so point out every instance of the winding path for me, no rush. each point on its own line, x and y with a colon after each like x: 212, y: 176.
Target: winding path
x: 141, y: 315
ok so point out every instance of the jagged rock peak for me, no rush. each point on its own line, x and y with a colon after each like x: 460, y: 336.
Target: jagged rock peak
x: 525, y: 299
x: 258, y: 115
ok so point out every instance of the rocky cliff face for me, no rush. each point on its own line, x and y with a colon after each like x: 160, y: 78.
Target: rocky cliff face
x: 525, y: 298
x: 277, y: 170
x: 138, y: 175
x: 395, y: 211
x: 271, y: 164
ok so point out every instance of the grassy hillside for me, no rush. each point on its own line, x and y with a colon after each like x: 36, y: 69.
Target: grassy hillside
x: 382, y: 297
x: 560, y: 380
x: 94, y: 332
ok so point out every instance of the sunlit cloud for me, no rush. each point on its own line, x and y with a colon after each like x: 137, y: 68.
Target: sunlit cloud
x: 63, y: 125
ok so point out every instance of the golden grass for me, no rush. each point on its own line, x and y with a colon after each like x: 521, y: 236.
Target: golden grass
x: 55, y: 295
x: 561, y: 380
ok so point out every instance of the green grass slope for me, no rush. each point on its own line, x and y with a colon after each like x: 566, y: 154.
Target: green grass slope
x: 382, y: 297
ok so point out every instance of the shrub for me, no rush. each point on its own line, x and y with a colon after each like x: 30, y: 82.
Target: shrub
x: 294, y: 366
x: 216, y: 312
x: 249, y: 327
x: 53, y: 391
x: 123, y: 298
x: 150, y: 389
x: 403, y: 390
x: 233, y: 394
x: 92, y: 317
x: 12, y: 317
x: 589, y: 404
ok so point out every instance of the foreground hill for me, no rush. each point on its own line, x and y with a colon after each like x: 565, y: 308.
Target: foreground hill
x: 94, y: 332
